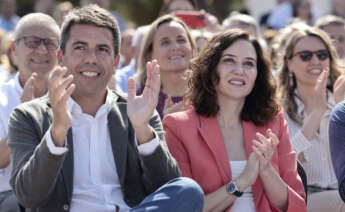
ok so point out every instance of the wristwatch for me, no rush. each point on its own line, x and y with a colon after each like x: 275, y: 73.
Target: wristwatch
x: 232, y: 188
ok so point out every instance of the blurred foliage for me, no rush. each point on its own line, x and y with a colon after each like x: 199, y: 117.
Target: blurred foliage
x: 141, y: 12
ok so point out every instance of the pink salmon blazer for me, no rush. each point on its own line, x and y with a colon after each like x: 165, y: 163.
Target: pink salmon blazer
x: 197, y: 144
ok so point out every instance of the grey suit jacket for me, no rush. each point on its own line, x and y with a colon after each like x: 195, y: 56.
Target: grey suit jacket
x: 44, y: 182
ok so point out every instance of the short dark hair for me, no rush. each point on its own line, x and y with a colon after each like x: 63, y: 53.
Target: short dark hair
x: 90, y: 15
x: 260, y: 105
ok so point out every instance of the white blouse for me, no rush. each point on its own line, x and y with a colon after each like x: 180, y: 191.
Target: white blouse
x: 246, y: 201
x: 318, y: 165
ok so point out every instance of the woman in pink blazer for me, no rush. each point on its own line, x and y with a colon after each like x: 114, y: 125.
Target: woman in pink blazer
x: 233, y: 140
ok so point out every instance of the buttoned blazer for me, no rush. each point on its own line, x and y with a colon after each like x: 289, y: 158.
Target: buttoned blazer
x: 197, y: 144
x: 44, y: 182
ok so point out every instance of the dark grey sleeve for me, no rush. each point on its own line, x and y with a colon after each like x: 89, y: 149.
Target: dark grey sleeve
x: 158, y: 167
x: 35, y: 169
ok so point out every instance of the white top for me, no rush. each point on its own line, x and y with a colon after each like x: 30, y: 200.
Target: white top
x: 96, y: 185
x: 318, y: 165
x: 246, y: 201
x: 10, y: 93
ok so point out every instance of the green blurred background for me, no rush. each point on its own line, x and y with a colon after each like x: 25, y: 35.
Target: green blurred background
x: 141, y: 12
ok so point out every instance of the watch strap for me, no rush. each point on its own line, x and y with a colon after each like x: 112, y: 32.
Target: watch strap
x: 237, y: 193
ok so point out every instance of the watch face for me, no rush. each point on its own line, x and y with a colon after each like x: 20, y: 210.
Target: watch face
x: 231, y: 187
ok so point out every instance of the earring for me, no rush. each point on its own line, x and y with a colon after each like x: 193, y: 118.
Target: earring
x: 290, y: 79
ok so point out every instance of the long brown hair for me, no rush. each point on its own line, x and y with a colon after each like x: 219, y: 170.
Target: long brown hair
x: 260, y: 105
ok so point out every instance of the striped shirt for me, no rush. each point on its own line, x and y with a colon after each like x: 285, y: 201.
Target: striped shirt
x: 318, y: 164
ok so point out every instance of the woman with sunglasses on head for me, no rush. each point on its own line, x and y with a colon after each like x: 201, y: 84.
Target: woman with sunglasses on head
x: 233, y: 140
x: 307, y: 80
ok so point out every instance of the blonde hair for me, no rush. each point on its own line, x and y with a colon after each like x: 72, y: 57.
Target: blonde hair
x: 288, y: 84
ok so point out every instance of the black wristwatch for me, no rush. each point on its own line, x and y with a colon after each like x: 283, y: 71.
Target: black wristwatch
x: 232, y: 188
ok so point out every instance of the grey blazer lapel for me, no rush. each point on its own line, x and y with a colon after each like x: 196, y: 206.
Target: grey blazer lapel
x: 118, y: 131
x: 68, y: 166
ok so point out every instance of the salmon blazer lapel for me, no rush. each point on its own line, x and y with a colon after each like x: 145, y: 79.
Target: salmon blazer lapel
x: 210, y: 132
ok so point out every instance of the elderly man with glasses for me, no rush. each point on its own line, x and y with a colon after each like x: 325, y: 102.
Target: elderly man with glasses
x: 34, y: 50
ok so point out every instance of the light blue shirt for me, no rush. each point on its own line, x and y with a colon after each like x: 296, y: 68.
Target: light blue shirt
x: 8, y: 25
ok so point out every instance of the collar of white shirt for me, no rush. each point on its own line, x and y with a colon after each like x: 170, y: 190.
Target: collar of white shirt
x: 111, y: 98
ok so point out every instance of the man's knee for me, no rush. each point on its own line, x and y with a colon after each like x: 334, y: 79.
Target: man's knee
x: 188, y: 192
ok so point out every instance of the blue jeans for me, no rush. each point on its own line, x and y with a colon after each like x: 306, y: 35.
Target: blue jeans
x: 180, y: 194
x: 8, y: 202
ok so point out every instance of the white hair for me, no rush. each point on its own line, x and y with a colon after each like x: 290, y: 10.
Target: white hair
x: 35, y: 19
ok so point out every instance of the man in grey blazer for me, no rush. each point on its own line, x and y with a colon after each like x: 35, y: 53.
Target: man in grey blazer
x: 87, y: 148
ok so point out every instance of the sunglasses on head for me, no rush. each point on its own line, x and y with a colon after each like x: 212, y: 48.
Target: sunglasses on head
x: 33, y: 42
x: 308, y: 55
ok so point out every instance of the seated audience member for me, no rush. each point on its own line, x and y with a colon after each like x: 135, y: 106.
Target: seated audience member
x: 246, y: 23
x: 35, y: 59
x: 335, y: 28
x: 303, y: 10
x: 174, y: 6
x: 280, y: 14
x: 126, y: 54
x: 170, y: 6
x: 60, y: 10
x: 233, y: 140
x: 128, y: 71
x: 44, y: 6
x: 5, y: 43
x: 307, y: 83
x: 170, y: 42
x: 126, y: 49
x: 201, y: 37
x: 242, y: 21
x: 8, y: 17
x: 338, y: 8
x: 106, y: 4
x: 82, y: 147
x: 10, y: 68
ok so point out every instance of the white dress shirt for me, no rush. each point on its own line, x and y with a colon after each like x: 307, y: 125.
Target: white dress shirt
x: 318, y: 165
x: 96, y: 185
x: 10, y: 93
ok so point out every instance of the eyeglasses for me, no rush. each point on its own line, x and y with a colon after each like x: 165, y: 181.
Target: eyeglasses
x: 33, y: 42
x: 308, y: 55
